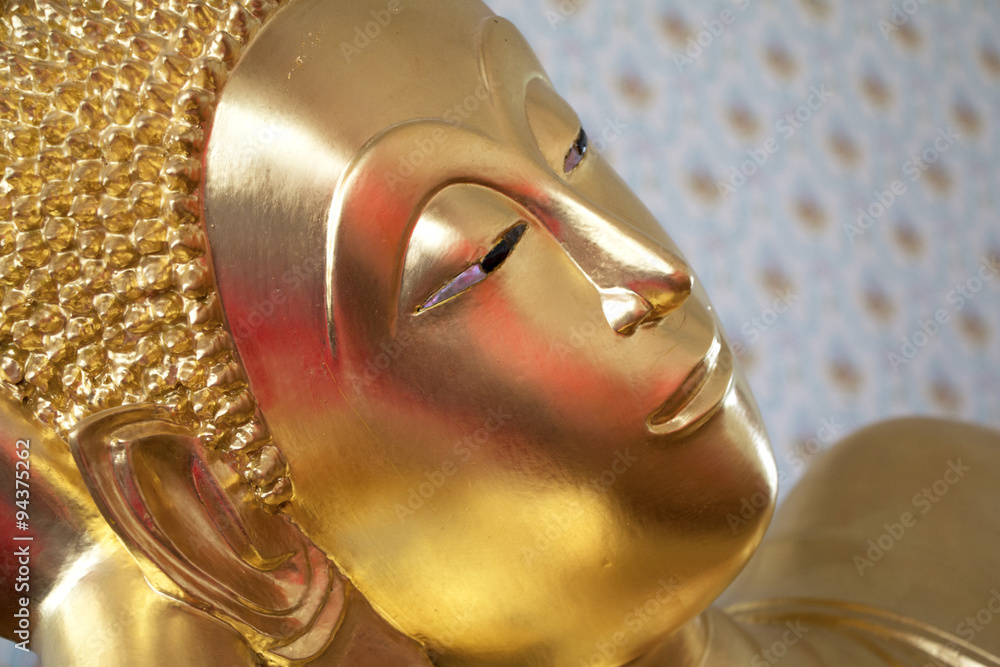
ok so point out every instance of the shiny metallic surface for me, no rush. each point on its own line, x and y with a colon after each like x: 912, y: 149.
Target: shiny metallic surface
x: 171, y: 501
x: 431, y: 451
x: 295, y: 394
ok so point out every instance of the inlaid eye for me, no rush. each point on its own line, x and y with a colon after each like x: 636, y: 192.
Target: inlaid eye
x: 576, y: 152
x: 478, y: 272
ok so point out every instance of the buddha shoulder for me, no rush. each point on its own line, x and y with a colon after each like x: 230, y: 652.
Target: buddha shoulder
x: 902, y: 517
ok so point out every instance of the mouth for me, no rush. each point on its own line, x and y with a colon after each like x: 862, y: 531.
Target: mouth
x: 699, y: 396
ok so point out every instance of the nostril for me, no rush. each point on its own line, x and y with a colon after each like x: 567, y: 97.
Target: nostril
x: 646, y: 301
x: 667, y: 295
x: 623, y: 308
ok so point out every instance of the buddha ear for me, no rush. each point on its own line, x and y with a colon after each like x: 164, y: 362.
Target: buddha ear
x: 192, y: 524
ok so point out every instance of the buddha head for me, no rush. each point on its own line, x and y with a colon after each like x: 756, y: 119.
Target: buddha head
x: 363, y: 255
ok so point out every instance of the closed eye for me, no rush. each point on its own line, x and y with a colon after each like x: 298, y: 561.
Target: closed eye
x: 576, y: 152
x: 478, y: 272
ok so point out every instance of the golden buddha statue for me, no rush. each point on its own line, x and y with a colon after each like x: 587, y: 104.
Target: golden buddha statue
x: 327, y: 341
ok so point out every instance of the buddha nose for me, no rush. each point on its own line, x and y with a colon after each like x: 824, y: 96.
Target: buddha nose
x: 646, y: 297
x: 626, y: 309
x: 639, y: 280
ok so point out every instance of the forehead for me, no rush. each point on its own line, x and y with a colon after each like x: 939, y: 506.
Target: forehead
x: 355, y: 68
x: 318, y: 83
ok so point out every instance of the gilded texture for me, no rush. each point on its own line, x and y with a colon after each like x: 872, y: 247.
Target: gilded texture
x: 108, y: 291
x: 561, y: 464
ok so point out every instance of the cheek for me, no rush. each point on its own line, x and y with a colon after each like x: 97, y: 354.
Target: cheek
x: 530, y: 342
x: 546, y: 354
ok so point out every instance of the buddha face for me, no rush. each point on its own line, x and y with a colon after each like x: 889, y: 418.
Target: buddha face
x: 509, y: 411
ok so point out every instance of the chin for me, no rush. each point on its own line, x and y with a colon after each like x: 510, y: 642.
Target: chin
x: 736, y: 434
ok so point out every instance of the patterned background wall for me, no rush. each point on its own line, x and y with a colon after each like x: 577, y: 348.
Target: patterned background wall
x: 756, y: 130
x: 759, y: 132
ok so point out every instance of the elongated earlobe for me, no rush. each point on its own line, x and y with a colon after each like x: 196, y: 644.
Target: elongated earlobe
x: 190, y: 522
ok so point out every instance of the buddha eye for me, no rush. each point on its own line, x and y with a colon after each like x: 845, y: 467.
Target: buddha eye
x: 478, y: 272
x: 576, y: 152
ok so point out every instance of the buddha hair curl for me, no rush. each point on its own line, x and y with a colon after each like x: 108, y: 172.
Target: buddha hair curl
x: 107, y: 291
